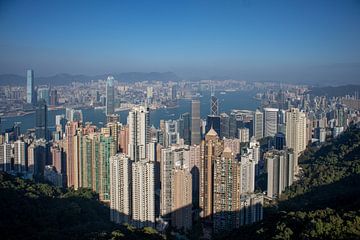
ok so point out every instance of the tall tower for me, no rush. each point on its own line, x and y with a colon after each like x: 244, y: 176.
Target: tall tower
x: 258, y: 126
x: 110, y: 96
x: 120, y: 189
x: 139, y: 132
x: 211, y: 148
x: 143, y: 200
x: 270, y: 121
x: 296, y: 137
x: 41, y: 130
x: 195, y: 122
x: 30, y: 95
x: 214, y: 104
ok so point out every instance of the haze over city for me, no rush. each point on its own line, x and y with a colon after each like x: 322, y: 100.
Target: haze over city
x: 169, y: 120
x: 282, y: 41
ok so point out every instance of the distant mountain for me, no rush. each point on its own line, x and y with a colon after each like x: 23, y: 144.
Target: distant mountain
x: 64, y: 78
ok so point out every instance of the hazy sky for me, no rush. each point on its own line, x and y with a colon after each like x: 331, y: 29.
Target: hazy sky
x: 292, y: 40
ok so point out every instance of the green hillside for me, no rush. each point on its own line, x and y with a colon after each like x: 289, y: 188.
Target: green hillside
x: 31, y: 210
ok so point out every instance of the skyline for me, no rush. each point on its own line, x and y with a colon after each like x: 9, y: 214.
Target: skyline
x: 298, y: 41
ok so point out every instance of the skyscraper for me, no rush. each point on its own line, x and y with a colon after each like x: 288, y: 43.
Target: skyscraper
x: 43, y: 93
x: 224, y: 125
x: 296, y: 137
x: 211, y: 148
x: 5, y: 157
x: 41, y: 130
x: 30, y: 94
x: 139, y: 132
x: 226, y: 194
x: 258, y: 126
x: 280, y: 169
x: 213, y: 121
x: 270, y: 121
x: 110, y: 96
x: 143, y: 194
x: 185, y: 127
x: 195, y: 122
x: 214, y: 107
x: 181, y: 199
x: 20, y: 156
x: 120, y: 189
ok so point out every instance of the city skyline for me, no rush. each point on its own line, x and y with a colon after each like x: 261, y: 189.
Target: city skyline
x: 248, y: 40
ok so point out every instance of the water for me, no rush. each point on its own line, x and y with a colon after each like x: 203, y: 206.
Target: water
x: 227, y: 102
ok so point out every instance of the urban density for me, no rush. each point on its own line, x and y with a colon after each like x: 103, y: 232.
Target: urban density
x: 180, y: 120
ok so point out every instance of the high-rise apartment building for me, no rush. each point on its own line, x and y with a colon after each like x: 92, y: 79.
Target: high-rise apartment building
x: 5, y: 157
x: 139, y: 132
x: 296, y: 136
x: 143, y: 194
x: 211, y: 148
x: 280, y: 170
x: 181, y: 199
x: 20, y: 156
x: 120, y: 189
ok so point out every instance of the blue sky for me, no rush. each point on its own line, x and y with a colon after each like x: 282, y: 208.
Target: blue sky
x: 295, y: 40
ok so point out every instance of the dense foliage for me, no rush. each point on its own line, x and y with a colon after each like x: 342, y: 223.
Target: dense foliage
x: 324, y: 203
x: 31, y: 210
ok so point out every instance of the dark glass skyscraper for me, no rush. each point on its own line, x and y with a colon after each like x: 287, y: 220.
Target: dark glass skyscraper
x: 110, y: 96
x: 184, y: 127
x: 41, y: 130
x: 213, y: 122
x: 195, y: 122
x: 30, y: 94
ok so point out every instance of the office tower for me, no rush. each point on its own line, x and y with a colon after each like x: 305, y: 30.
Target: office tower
x: 224, y: 125
x: 20, y: 156
x: 280, y: 169
x: 5, y: 157
x: 280, y: 141
x: 232, y: 126
x: 41, y: 130
x: 254, y: 148
x: 120, y: 189
x: 195, y: 122
x: 258, y: 124
x: 213, y: 122
x: 296, y: 133
x: 282, y: 121
x: 139, y: 132
x: 270, y: 121
x: 43, y: 93
x: 185, y: 127
x: 110, y: 96
x: 244, y: 135
x: 214, y: 108
x: 251, y: 208
x: 53, y: 97
x: 143, y: 194
x: 30, y: 89
x: 169, y: 157
x: 181, y: 199
x: 211, y: 148
x: 226, y: 191
x: 172, y: 135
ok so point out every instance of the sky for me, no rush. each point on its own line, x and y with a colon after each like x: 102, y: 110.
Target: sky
x: 286, y: 41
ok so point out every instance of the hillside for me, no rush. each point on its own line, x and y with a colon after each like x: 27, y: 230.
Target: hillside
x: 41, y: 211
x: 324, y: 204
